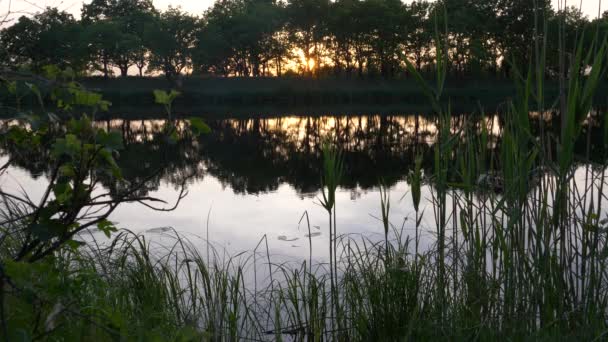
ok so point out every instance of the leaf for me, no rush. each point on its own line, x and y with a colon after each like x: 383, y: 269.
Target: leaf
x: 161, y: 97
x: 86, y: 98
x: 62, y: 192
x: 164, y: 98
x: 426, y: 89
x: 51, y: 71
x: 114, y: 169
x: 104, y: 105
x: 111, y: 140
x: 173, y: 94
x: 67, y: 170
x: 48, y: 229
x: 106, y: 227
x: 70, y: 145
x: 590, y: 228
x: 199, y: 126
x: 74, y: 244
x: 12, y: 87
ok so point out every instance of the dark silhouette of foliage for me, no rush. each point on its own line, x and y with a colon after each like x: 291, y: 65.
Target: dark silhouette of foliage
x: 313, y: 38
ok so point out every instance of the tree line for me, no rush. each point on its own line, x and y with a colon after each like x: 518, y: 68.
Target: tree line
x: 257, y: 38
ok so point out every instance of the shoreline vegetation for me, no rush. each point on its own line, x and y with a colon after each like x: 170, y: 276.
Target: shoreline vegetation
x: 297, y: 91
x: 131, y: 97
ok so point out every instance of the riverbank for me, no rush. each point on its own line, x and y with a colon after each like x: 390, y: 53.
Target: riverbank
x: 298, y: 92
x: 232, y: 97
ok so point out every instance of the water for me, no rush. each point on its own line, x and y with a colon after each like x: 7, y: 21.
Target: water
x: 256, y: 177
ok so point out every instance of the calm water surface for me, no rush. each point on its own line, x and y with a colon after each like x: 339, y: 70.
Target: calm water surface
x: 251, y: 178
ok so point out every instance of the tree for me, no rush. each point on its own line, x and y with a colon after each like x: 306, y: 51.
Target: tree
x: 259, y: 21
x: 171, y: 39
x: 254, y: 38
x: 20, y: 40
x: 573, y: 22
x: 361, y: 37
x: 105, y: 43
x: 387, y: 22
x: 112, y: 9
x: 419, y: 41
x: 123, y: 23
x: 471, y: 38
x: 306, y: 20
x: 515, y: 36
x: 342, y: 31
x: 49, y: 37
x: 4, y: 55
x: 240, y: 37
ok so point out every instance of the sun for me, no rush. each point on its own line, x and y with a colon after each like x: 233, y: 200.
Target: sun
x: 311, y: 64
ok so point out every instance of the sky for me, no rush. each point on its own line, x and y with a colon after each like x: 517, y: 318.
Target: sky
x: 589, y: 7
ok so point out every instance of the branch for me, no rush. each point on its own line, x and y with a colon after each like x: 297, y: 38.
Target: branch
x: 127, y: 200
x: 183, y: 193
x: 5, y: 166
x: 68, y: 236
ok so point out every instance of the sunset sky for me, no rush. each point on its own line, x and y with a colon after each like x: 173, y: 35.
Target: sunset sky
x: 590, y: 7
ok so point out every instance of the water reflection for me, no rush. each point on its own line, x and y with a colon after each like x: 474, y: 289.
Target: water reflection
x: 257, y: 155
x: 258, y: 175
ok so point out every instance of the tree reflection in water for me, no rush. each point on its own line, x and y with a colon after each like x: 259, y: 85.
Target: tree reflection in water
x: 257, y: 155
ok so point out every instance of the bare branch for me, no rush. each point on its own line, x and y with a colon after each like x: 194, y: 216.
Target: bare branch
x: 183, y: 193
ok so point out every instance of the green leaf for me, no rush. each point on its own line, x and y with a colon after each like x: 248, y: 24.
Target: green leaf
x: 51, y: 71
x: 67, y: 170
x: 106, y: 227
x: 74, y: 244
x: 111, y: 140
x: 70, y: 145
x: 63, y: 192
x: 161, y: 97
x: 164, y: 98
x: 104, y: 105
x: 48, y: 229
x: 199, y: 126
x: 12, y: 87
x: 86, y: 98
x: 114, y: 169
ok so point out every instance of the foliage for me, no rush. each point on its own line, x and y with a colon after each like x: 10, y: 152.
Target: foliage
x: 81, y: 156
x: 239, y: 37
x: 117, y: 33
x: 171, y: 40
x: 50, y: 37
x: 309, y: 37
